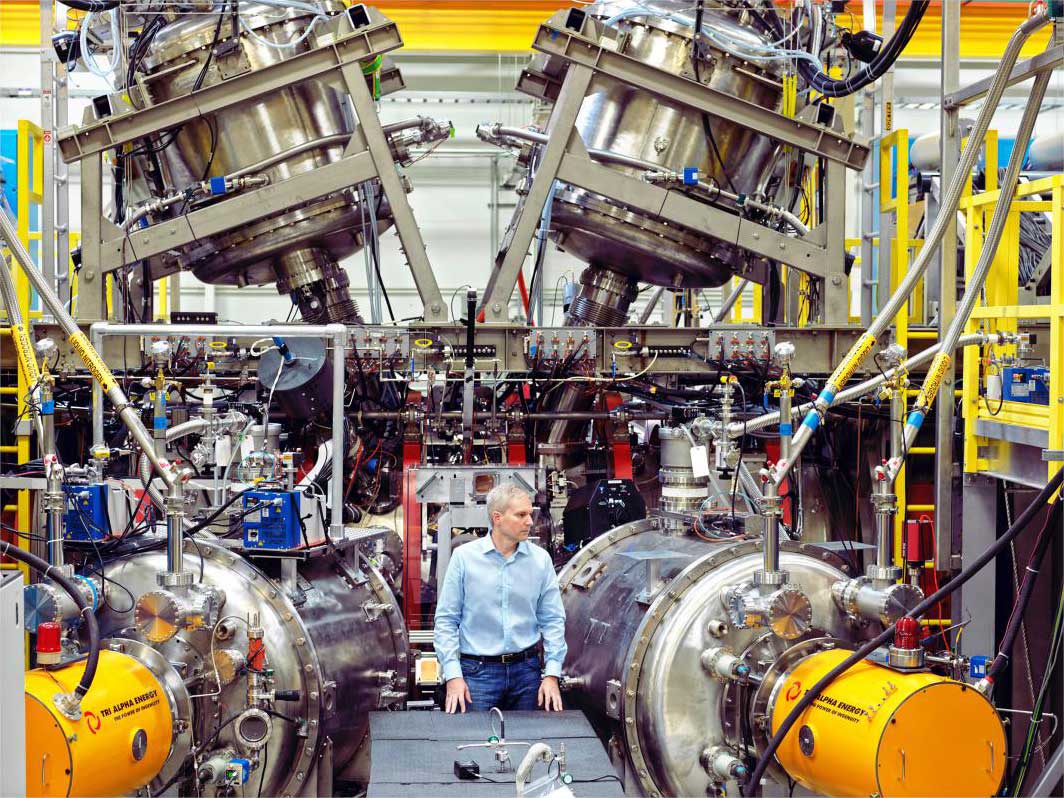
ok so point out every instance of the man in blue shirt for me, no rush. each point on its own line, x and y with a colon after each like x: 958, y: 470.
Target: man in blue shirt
x: 499, y: 597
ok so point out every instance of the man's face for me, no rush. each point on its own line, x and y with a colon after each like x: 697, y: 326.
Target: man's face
x: 516, y: 522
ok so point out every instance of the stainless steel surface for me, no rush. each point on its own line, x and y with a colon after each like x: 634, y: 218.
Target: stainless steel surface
x: 635, y: 655
x: 944, y: 289
x: 300, y: 248
x: 320, y: 640
x: 621, y: 119
x: 681, y: 491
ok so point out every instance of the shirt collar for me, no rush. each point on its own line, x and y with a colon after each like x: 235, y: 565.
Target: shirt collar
x: 487, y: 546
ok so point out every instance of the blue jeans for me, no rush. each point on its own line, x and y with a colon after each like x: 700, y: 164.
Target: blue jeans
x: 506, y: 686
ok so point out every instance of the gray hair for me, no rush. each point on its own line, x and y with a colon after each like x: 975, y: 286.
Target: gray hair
x: 500, y: 497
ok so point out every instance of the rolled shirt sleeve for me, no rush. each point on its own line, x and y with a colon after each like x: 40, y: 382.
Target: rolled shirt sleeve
x: 448, y: 618
x: 550, y: 616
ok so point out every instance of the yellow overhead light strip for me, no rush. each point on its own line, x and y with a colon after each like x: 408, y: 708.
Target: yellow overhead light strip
x: 509, y: 25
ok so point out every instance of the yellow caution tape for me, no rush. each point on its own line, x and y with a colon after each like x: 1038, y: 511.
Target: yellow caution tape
x: 853, y: 361
x: 935, y: 374
x: 93, y: 360
x: 26, y: 357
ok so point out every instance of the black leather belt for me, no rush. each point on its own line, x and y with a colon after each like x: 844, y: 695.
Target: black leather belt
x: 505, y: 659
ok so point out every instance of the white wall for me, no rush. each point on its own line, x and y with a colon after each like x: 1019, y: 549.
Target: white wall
x: 451, y: 193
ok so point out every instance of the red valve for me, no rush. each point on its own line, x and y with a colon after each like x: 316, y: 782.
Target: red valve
x: 49, y: 643
x: 907, y: 633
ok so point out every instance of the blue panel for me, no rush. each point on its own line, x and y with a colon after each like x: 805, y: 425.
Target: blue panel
x: 9, y: 167
x: 86, y: 513
x: 1025, y: 384
x: 271, y: 520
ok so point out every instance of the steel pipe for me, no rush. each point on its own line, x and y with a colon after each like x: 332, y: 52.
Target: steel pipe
x: 738, y: 428
x: 335, y: 332
x: 945, y: 218
x: 85, y: 350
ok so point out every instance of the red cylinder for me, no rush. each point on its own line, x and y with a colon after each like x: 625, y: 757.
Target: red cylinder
x: 49, y: 643
x: 907, y: 633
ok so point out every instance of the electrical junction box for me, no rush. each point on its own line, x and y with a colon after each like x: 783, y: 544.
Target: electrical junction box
x: 86, y: 512
x: 272, y: 519
x: 1025, y: 384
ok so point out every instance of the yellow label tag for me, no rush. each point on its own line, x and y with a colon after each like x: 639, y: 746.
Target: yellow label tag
x: 26, y: 357
x: 93, y: 361
x: 622, y: 345
x: 853, y: 361
x: 935, y: 375
x: 888, y: 116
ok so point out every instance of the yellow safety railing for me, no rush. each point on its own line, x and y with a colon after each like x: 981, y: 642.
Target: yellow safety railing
x: 29, y: 200
x: 1000, y: 309
x: 894, y: 199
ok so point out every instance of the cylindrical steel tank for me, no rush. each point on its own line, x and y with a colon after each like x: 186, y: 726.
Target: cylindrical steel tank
x: 628, y: 121
x: 681, y: 491
x: 310, y: 121
x: 643, y: 607
x: 125, y: 733
x: 334, y: 638
x: 875, y: 731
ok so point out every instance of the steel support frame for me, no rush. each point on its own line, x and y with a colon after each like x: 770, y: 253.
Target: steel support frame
x: 105, y: 247
x: 564, y: 157
x: 957, y: 97
x: 950, y: 153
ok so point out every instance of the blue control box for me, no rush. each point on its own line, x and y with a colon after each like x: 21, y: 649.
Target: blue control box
x: 1028, y: 384
x: 86, y: 512
x: 271, y: 519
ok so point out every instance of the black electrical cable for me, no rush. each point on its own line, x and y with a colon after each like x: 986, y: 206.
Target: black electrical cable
x: 884, y: 60
x: 813, y: 692
x: 36, y: 563
x: 210, y: 518
x: 1023, y: 597
x: 1056, y: 640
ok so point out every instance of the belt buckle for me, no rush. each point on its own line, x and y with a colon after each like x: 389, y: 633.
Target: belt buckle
x: 508, y: 658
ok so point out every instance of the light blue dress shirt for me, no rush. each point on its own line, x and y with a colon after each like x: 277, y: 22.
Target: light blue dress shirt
x: 491, y: 605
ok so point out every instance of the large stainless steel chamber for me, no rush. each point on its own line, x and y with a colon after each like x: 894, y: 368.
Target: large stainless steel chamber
x: 646, y: 625
x: 335, y: 646
x: 634, y: 122
x: 275, y: 136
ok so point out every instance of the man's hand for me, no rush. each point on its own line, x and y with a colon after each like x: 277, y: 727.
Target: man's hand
x: 550, y: 695
x: 458, y: 695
